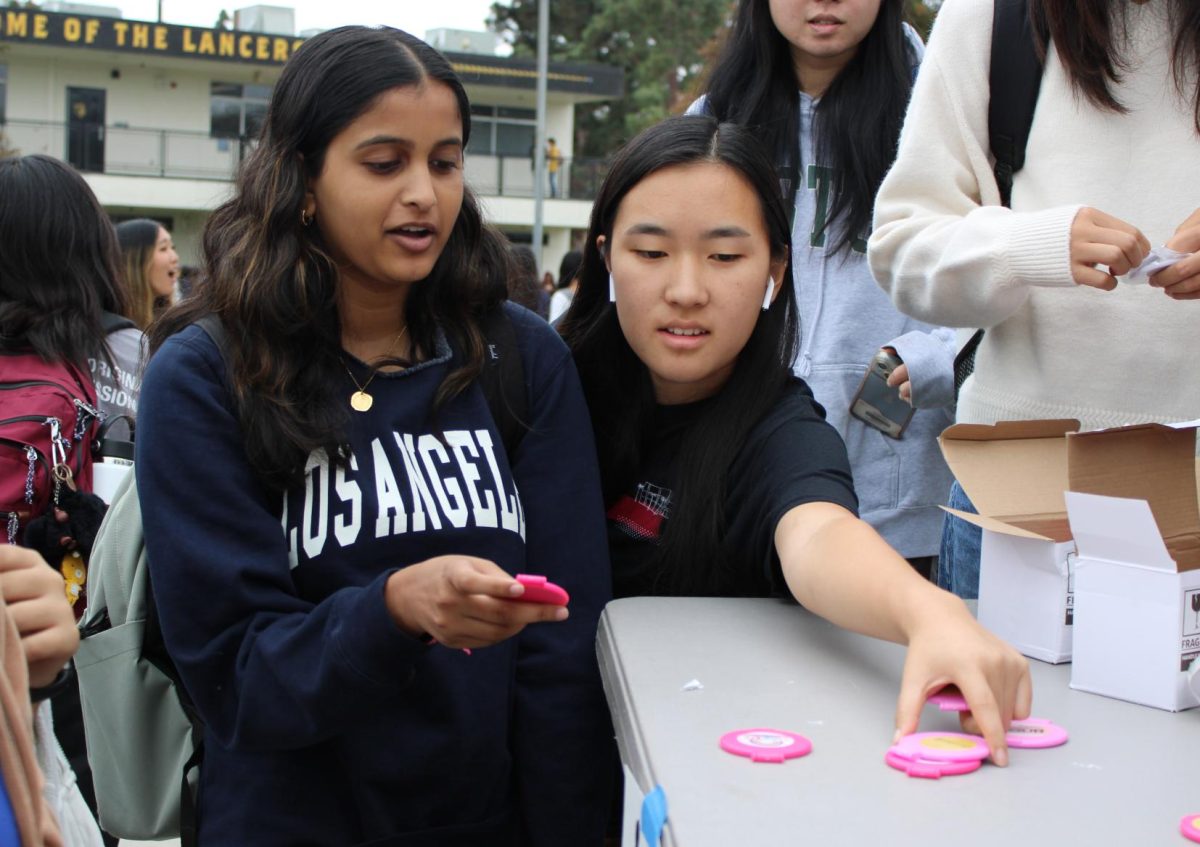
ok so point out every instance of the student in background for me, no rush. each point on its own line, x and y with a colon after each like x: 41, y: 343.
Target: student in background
x: 352, y: 515
x: 720, y: 475
x: 824, y: 85
x: 524, y: 287
x: 1111, y: 170
x: 151, y: 268
x: 56, y: 292
x: 567, y: 284
x: 554, y: 160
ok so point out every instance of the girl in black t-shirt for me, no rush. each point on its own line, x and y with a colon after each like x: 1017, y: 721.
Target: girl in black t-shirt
x: 720, y: 475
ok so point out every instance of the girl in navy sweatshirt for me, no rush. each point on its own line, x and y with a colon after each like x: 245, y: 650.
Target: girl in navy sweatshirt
x: 331, y: 515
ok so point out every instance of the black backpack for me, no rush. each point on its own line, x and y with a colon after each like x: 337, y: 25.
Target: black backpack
x: 1015, y: 82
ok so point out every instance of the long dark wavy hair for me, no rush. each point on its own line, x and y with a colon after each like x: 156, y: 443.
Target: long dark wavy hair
x: 58, y: 262
x: 691, y: 557
x: 857, y: 120
x: 272, y: 281
x: 1089, y: 36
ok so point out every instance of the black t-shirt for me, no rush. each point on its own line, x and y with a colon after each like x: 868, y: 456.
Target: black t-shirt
x: 792, y: 456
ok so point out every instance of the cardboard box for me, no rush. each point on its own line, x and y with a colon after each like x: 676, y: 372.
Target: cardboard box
x: 1015, y: 472
x: 1137, y: 580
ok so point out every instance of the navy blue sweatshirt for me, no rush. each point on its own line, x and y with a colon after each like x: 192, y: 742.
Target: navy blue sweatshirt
x: 326, y: 724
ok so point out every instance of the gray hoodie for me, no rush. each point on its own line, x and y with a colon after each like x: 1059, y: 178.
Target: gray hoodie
x: 844, y: 319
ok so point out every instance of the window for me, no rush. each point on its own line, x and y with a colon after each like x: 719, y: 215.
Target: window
x: 237, y: 110
x: 3, y: 92
x: 502, y: 131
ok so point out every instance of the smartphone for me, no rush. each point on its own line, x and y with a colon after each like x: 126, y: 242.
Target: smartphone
x: 877, y: 404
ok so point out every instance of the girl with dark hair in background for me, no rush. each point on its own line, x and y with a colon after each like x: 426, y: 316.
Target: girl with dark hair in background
x: 567, y: 285
x: 151, y: 268
x: 824, y: 83
x: 352, y: 273
x: 720, y: 475
x: 1112, y: 169
x: 58, y: 283
x: 61, y: 292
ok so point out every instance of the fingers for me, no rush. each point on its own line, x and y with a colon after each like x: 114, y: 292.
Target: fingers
x: 1099, y: 239
x: 38, y: 607
x: 1187, y: 236
x: 1181, y: 281
x: 13, y: 557
x: 991, y: 717
x: 48, y: 651
x: 908, y: 707
x: 898, y: 376
x: 462, y: 601
x: 30, y: 581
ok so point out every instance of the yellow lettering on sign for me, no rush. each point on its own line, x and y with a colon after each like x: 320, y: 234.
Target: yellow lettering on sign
x: 262, y: 48
x: 160, y: 38
x: 72, y: 29
x: 189, y: 46
x: 296, y: 44
x: 41, y: 26
x: 91, y: 28
x: 121, y: 29
x: 17, y: 23
x: 141, y: 35
x: 208, y: 44
x: 225, y: 45
x: 280, y: 52
x: 246, y: 46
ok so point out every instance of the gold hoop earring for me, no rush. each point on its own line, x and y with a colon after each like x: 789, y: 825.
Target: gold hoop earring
x: 305, y: 217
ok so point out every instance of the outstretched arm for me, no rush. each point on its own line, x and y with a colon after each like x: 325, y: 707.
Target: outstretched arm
x: 874, y: 591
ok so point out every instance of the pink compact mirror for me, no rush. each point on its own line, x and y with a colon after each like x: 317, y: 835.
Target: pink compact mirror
x: 932, y: 755
x: 766, y: 745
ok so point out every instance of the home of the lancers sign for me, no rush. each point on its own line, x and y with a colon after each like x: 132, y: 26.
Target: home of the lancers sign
x: 102, y: 33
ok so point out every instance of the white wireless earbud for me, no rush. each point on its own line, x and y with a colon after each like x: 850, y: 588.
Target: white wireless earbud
x: 770, y: 291
x: 612, y: 290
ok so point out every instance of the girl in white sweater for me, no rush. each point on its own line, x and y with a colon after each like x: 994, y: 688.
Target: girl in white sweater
x: 1112, y: 170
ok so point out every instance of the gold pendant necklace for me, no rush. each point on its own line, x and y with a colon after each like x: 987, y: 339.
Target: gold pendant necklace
x: 360, y: 400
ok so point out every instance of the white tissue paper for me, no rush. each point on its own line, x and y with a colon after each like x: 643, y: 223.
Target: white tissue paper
x: 1157, y: 260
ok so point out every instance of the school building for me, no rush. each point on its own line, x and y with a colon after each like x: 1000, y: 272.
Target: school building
x: 158, y: 116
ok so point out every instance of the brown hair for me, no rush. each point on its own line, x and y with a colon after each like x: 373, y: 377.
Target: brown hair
x: 138, y: 239
x: 1091, y: 39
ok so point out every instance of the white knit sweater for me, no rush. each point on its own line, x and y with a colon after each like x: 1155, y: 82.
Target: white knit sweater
x: 949, y: 254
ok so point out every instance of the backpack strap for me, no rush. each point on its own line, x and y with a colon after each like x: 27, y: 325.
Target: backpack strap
x: 1014, y: 81
x: 502, y: 379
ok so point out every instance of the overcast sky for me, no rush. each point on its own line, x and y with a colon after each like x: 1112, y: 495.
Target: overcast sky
x: 415, y: 16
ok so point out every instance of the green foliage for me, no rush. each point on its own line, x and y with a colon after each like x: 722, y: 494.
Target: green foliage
x: 921, y: 15
x: 657, y: 43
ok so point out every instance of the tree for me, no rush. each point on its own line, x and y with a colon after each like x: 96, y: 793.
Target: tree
x: 656, y: 43
x: 921, y: 14
x: 224, y: 21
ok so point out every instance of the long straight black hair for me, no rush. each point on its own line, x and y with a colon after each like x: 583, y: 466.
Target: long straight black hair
x: 857, y: 121
x: 58, y: 262
x: 1089, y: 36
x: 272, y: 281
x: 692, y: 558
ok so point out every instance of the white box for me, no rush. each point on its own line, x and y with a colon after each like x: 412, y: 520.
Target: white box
x: 1137, y: 584
x: 1015, y: 473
